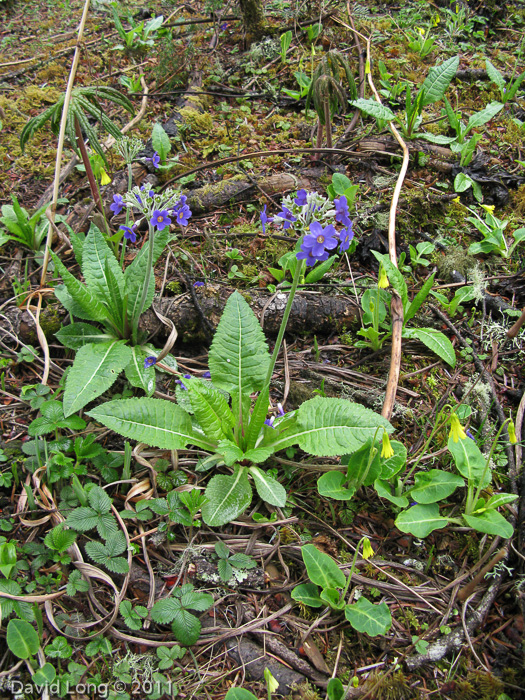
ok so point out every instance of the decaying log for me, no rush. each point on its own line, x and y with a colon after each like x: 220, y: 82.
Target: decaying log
x: 441, y: 157
x: 238, y: 188
x: 311, y: 312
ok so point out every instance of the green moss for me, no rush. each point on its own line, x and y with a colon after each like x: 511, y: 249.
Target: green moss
x: 250, y: 270
x: 198, y: 121
x: 50, y: 320
x: 174, y: 287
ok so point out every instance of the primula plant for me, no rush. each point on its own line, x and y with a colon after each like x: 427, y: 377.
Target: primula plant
x: 218, y: 416
x: 432, y: 90
x: 115, y: 299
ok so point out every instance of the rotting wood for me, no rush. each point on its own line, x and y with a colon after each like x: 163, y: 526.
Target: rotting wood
x: 211, y: 197
x: 311, y: 312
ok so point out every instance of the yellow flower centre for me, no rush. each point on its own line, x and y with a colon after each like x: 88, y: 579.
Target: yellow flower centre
x: 320, y: 239
x: 160, y: 219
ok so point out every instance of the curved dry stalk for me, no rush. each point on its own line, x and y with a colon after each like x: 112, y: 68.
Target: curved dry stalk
x: 41, y: 337
x: 396, y: 307
x: 61, y: 137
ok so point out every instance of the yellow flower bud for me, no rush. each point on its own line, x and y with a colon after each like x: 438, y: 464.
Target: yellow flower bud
x: 367, y: 549
x: 512, y: 432
x: 489, y: 208
x: 104, y: 177
x: 457, y: 431
x: 387, y: 450
x: 383, y: 282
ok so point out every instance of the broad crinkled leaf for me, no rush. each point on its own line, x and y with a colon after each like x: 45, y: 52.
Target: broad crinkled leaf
x: 228, y: 497
x: 230, y: 452
x: 138, y: 375
x: 153, y: 421
x: 136, y: 271
x: 76, y: 335
x: 328, y: 427
x: 257, y: 418
x: 95, y: 369
x: 268, y: 488
x: 239, y: 356
x: 210, y: 409
x: 80, y: 294
x: 75, y: 309
x: 373, y: 109
x: 96, y: 254
x: 438, y: 80
x: 494, y: 75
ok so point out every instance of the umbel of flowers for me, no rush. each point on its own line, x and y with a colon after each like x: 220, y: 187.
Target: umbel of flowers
x: 159, y: 210
x: 323, y: 225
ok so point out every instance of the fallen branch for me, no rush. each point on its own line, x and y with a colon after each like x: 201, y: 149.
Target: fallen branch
x: 311, y: 312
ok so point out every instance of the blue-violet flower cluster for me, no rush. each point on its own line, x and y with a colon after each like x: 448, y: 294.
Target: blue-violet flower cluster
x: 314, y: 217
x: 159, y: 210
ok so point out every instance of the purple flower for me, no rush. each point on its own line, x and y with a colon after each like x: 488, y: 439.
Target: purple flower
x: 223, y: 26
x: 280, y: 409
x: 129, y: 233
x: 341, y: 210
x: 160, y: 219
x: 150, y: 361
x: 345, y: 236
x: 311, y: 259
x: 206, y: 375
x: 469, y: 434
x: 300, y: 200
x: 118, y: 204
x: 180, y: 382
x: 265, y: 219
x: 269, y: 422
x: 319, y: 240
x: 182, y: 214
x: 288, y: 217
x: 198, y: 284
x: 155, y: 160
